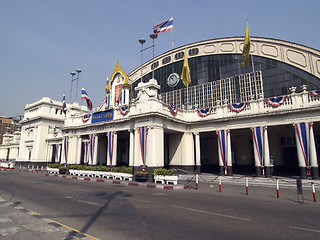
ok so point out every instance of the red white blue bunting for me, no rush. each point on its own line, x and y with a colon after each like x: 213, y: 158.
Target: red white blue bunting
x: 66, y: 148
x: 124, y: 110
x: 173, y: 109
x: 276, y: 101
x: 204, y: 112
x: 223, y: 140
x: 259, y: 145
x: 110, y: 139
x: 238, y: 107
x: 143, y: 133
x: 85, y: 118
x: 315, y: 93
x: 92, y: 142
x: 303, y: 133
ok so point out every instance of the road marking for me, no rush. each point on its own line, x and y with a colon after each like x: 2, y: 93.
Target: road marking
x: 212, y: 213
x: 83, y: 201
x: 73, y: 229
x: 305, y: 229
x: 139, y: 200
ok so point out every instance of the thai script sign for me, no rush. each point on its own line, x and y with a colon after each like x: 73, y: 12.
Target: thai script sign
x: 102, y: 116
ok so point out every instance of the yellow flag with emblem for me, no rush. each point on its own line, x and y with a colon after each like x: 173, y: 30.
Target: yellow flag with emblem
x: 185, y: 75
x: 246, y: 47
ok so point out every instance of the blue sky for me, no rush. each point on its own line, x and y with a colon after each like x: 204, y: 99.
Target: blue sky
x: 43, y: 41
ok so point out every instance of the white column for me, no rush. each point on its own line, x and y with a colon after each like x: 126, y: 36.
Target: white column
x: 95, y: 152
x: 313, y: 152
x: 115, y: 145
x: 155, y: 147
x: 137, y: 160
x: 78, y: 161
x: 198, y: 154
x: 187, y: 153
x: 131, y: 147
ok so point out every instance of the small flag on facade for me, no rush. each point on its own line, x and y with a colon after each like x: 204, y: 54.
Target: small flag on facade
x: 164, y: 26
x: 185, y: 75
x: 64, y: 106
x: 85, y: 96
x: 246, y: 47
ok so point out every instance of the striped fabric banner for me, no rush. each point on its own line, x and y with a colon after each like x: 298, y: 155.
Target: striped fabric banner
x: 223, y: 141
x: 110, y: 139
x: 92, y: 142
x: 259, y: 145
x: 66, y: 148
x: 303, y: 134
x: 143, y: 132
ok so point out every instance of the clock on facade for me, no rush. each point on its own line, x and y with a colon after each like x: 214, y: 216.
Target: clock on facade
x: 173, y: 80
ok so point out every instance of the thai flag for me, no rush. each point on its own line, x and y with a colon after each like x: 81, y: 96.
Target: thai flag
x: 238, y: 107
x: 64, y: 105
x: 259, y: 144
x: 143, y: 132
x: 276, y: 101
x: 66, y: 148
x: 164, y: 26
x: 303, y: 134
x: 174, y: 109
x: 224, y: 141
x: 110, y: 138
x: 124, y: 110
x: 85, y: 96
x: 315, y: 93
x: 92, y: 142
x: 204, y: 112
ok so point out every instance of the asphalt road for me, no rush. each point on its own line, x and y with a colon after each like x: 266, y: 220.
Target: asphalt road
x: 111, y: 211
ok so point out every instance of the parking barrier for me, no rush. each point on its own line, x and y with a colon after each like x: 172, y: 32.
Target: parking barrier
x: 313, y: 192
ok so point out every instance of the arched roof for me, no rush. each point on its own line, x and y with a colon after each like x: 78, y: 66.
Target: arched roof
x: 297, y: 55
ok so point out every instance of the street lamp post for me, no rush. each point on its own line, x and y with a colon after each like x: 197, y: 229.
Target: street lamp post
x: 142, y: 41
x: 153, y: 36
x: 78, y: 71
x: 72, y: 75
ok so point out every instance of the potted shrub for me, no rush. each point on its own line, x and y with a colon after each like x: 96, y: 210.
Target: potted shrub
x: 63, y: 170
x: 141, y: 176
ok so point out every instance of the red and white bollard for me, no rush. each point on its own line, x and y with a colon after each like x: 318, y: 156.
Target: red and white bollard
x: 277, y: 183
x: 313, y: 192
x: 247, y: 185
x: 197, y: 181
x: 219, y: 183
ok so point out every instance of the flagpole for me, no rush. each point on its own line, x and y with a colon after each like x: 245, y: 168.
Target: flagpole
x: 254, y: 74
x: 172, y: 46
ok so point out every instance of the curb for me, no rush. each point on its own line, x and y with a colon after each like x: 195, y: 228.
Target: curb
x: 117, y: 182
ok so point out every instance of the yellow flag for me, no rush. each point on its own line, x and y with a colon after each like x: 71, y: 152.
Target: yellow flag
x: 185, y: 75
x: 246, y: 47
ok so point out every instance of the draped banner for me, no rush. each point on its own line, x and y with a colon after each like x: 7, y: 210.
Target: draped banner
x: 276, y: 101
x: 173, y: 109
x: 315, y: 93
x: 204, y: 112
x: 66, y: 148
x: 110, y: 138
x: 303, y: 136
x: 224, y: 142
x: 92, y: 142
x: 259, y: 143
x: 85, y: 118
x: 238, y: 107
x: 124, y: 110
x: 143, y: 132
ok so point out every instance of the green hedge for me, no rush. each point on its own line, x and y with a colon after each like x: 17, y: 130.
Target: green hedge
x: 164, y: 172
x: 102, y: 168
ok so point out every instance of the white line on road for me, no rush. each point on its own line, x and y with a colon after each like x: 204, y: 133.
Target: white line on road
x: 83, y: 201
x: 213, y: 213
x: 305, y: 229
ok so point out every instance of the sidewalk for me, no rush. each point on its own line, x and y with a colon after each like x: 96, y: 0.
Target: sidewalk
x: 19, y: 223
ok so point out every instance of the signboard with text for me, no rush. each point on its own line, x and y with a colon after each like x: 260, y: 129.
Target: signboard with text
x: 103, y: 116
